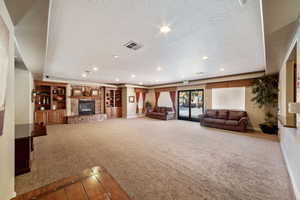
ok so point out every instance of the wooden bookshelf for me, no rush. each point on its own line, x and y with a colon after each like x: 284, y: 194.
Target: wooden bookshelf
x: 50, y: 102
x: 113, y: 102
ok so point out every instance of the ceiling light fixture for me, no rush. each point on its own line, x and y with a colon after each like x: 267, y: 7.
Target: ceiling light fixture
x: 95, y: 68
x: 156, y: 80
x: 158, y: 68
x: 84, y: 75
x: 117, y: 79
x: 133, y: 75
x: 116, y: 56
x: 242, y: 2
x: 165, y: 29
x: 222, y: 69
x: 204, y: 58
x: 140, y: 83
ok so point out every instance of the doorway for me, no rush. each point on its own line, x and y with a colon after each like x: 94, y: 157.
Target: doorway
x: 190, y: 104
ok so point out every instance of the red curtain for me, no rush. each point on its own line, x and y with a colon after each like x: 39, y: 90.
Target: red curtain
x: 144, y: 98
x: 156, y: 99
x: 173, y: 98
x: 137, y: 94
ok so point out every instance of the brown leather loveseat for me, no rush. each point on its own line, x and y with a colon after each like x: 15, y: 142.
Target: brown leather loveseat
x: 164, y: 113
x: 225, y: 119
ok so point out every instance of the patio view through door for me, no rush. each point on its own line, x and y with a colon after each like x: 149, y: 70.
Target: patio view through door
x: 190, y: 104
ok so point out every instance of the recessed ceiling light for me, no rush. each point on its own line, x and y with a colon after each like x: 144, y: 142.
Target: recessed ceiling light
x: 204, y: 58
x: 133, y: 75
x: 182, y: 76
x: 158, y: 68
x: 156, y: 80
x: 116, y: 56
x: 222, y: 69
x: 95, y: 68
x: 140, y: 83
x: 84, y: 75
x: 117, y: 79
x: 165, y: 29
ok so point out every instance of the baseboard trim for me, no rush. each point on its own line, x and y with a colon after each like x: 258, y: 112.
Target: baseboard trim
x: 13, y: 195
x: 290, y: 172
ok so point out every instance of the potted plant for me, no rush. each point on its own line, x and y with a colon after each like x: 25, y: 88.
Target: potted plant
x: 266, y: 90
x: 148, y: 106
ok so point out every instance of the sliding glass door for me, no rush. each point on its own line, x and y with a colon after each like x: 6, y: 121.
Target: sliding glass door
x: 190, y: 104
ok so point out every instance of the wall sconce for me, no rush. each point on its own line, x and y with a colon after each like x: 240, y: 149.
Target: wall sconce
x: 294, y: 107
x: 33, y: 95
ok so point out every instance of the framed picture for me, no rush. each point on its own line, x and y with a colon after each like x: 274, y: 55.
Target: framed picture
x: 94, y: 92
x: 131, y: 99
x: 76, y: 92
x: 4, y: 64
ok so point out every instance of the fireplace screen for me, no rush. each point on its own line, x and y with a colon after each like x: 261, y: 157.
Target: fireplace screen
x: 86, y: 107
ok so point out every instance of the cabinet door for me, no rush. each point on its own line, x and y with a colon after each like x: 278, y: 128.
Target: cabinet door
x: 41, y: 117
x: 56, y: 117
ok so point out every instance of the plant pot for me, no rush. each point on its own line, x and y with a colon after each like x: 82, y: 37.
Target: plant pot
x: 269, y: 129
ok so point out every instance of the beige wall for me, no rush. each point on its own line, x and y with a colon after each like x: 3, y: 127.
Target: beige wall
x: 129, y: 109
x: 23, y: 88
x: 290, y: 137
x: 256, y: 114
x: 7, y: 174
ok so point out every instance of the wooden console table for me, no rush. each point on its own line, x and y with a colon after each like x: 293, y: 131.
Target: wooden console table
x: 24, y: 134
x: 95, y: 183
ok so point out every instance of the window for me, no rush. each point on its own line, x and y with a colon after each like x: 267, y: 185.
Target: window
x: 228, y: 98
x: 165, y: 100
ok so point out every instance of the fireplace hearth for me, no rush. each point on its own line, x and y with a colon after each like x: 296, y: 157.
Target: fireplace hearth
x: 86, y: 107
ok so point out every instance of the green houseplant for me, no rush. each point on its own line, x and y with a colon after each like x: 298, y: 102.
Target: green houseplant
x: 148, y: 106
x: 265, y: 90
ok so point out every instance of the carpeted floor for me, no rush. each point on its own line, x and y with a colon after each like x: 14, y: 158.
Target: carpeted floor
x: 163, y: 160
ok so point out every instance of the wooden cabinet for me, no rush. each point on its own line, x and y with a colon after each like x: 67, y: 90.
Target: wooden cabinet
x: 40, y: 117
x: 56, y: 117
x: 113, y: 102
x: 50, y: 103
x: 48, y: 117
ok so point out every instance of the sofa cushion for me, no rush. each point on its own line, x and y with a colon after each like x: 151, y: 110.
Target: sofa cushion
x: 214, y: 121
x: 232, y: 122
x: 211, y: 113
x: 236, y: 115
x: 222, y: 114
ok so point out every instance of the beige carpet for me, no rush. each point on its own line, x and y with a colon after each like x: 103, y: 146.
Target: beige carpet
x: 163, y: 160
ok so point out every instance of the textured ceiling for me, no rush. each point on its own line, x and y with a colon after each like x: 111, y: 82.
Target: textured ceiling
x: 87, y: 33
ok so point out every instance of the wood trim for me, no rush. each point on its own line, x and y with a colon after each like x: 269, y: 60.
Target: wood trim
x: 206, y: 79
x: 167, y: 89
x: 47, y: 83
x: 85, y: 97
x: 141, y: 90
x: 228, y: 84
x: 1, y: 121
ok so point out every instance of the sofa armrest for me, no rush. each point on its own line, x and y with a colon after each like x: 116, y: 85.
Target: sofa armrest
x: 244, y: 121
x: 201, y: 117
x: 170, y: 112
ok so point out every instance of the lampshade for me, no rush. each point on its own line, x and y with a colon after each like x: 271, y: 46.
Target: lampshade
x: 294, y: 107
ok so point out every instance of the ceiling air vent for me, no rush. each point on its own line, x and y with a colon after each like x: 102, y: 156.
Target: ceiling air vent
x: 133, y: 45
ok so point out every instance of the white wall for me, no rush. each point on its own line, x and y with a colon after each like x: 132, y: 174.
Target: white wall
x: 131, y: 107
x: 7, y: 168
x: 228, y: 98
x: 290, y: 138
x: 23, y: 105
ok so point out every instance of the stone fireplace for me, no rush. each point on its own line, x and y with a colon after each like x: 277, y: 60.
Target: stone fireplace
x: 86, y: 107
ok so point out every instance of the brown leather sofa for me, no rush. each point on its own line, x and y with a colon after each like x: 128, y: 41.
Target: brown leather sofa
x: 164, y: 113
x: 225, y: 119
